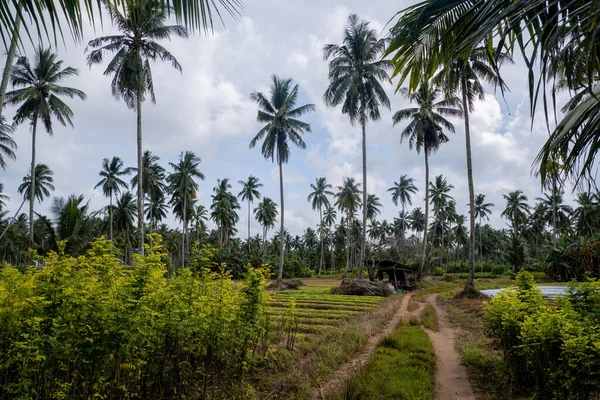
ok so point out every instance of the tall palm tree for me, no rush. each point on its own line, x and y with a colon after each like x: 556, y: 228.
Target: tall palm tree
x: 318, y: 197
x: 42, y: 185
x: 3, y: 197
x: 441, y: 200
x: 250, y: 193
x: 425, y: 131
x: 7, y: 144
x: 355, y: 72
x: 280, y: 115
x: 141, y: 23
x: 266, y: 214
x: 418, y: 222
x: 347, y: 199
x: 402, y: 191
x: 183, y: 188
x: 481, y: 210
x: 124, y: 214
x: 516, y: 210
x: 463, y: 76
x: 556, y: 213
x: 153, y: 185
x: 38, y: 95
x: 329, y: 218
x: 224, y: 210
x: 586, y: 214
x: 71, y: 224
x: 111, y: 182
x: 155, y: 208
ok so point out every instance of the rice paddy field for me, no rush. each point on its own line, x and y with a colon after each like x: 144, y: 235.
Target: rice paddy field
x: 317, y: 310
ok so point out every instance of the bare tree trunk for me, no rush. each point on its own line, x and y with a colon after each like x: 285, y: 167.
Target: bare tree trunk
x: 110, y: 217
x: 364, y: 219
x: 332, y: 256
x: 426, y: 150
x: 321, y: 235
x: 10, y: 58
x: 470, y: 285
x: 480, y: 242
x: 248, y: 226
x: 140, y: 203
x: 554, y: 198
x: 184, y: 233
x: 32, y: 174
x: 281, y: 231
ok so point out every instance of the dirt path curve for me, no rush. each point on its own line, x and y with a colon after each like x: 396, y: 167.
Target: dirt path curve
x: 349, y: 368
x: 451, y: 377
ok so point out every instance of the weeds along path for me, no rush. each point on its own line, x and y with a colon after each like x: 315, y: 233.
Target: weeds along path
x: 451, y: 377
x: 351, y: 367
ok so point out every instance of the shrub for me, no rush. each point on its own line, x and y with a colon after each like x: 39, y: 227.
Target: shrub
x: 498, y: 270
x: 87, y: 327
x: 438, y: 271
x: 554, y: 346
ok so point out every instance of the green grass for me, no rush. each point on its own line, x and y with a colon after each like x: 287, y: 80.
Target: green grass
x: 429, y: 318
x: 413, y: 304
x: 401, y: 368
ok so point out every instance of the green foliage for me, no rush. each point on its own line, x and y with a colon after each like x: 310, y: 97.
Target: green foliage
x: 402, y: 368
x: 554, y: 346
x: 429, y: 318
x: 87, y: 327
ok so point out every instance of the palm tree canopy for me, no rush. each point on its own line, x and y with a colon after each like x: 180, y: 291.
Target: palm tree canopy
x: 516, y: 207
x: 111, y: 173
x: 7, y: 144
x: 43, y: 183
x: 373, y: 207
x: 329, y: 216
x: 425, y: 129
x: 402, y: 190
x: 41, y: 20
x: 141, y: 24
x: 348, y: 196
x: 440, y: 189
x: 355, y: 72
x: 482, y: 209
x: 38, y: 91
x: 124, y: 213
x: 320, y: 191
x: 250, y: 190
x: 266, y: 213
x: 182, y: 183
x: 279, y: 114
x: 153, y: 175
x: 417, y: 220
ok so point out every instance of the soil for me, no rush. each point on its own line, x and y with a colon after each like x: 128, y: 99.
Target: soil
x: 451, y: 377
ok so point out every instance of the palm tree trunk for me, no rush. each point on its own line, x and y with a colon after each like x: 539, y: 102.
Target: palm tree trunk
x: 110, y: 217
x: 426, y: 150
x: 348, y: 240
x: 32, y: 174
x: 332, y: 256
x: 470, y: 285
x: 321, y: 234
x: 281, y: 229
x: 140, y: 171
x: 10, y: 57
x: 480, y: 243
x: 184, y: 233
x: 364, y: 219
x: 554, y: 211
x: 248, y: 226
x: 12, y: 220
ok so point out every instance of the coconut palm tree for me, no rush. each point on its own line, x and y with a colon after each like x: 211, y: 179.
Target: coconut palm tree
x: 42, y: 186
x: 38, y: 96
x: 280, y: 115
x: 250, y: 193
x: 266, y: 214
x: 71, y: 224
x: 124, y: 213
x: 418, y: 222
x: 155, y: 208
x: 3, y: 197
x: 556, y: 213
x: 463, y: 77
x: 481, y: 210
x: 7, y: 144
x: 586, y: 214
x: 347, y: 199
x: 373, y: 207
x: 516, y: 210
x: 153, y: 184
x: 183, y: 188
x: 356, y: 70
x: 329, y: 218
x: 141, y: 23
x: 224, y: 211
x: 402, y: 191
x: 425, y: 131
x: 318, y: 197
x: 111, y: 182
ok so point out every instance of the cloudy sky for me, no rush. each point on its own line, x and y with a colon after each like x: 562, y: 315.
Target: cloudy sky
x: 207, y: 110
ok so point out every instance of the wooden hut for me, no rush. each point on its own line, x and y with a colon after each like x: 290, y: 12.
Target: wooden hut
x: 401, y: 276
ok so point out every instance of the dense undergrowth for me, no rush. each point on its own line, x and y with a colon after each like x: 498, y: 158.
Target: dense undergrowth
x: 402, y: 368
x: 86, y: 327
